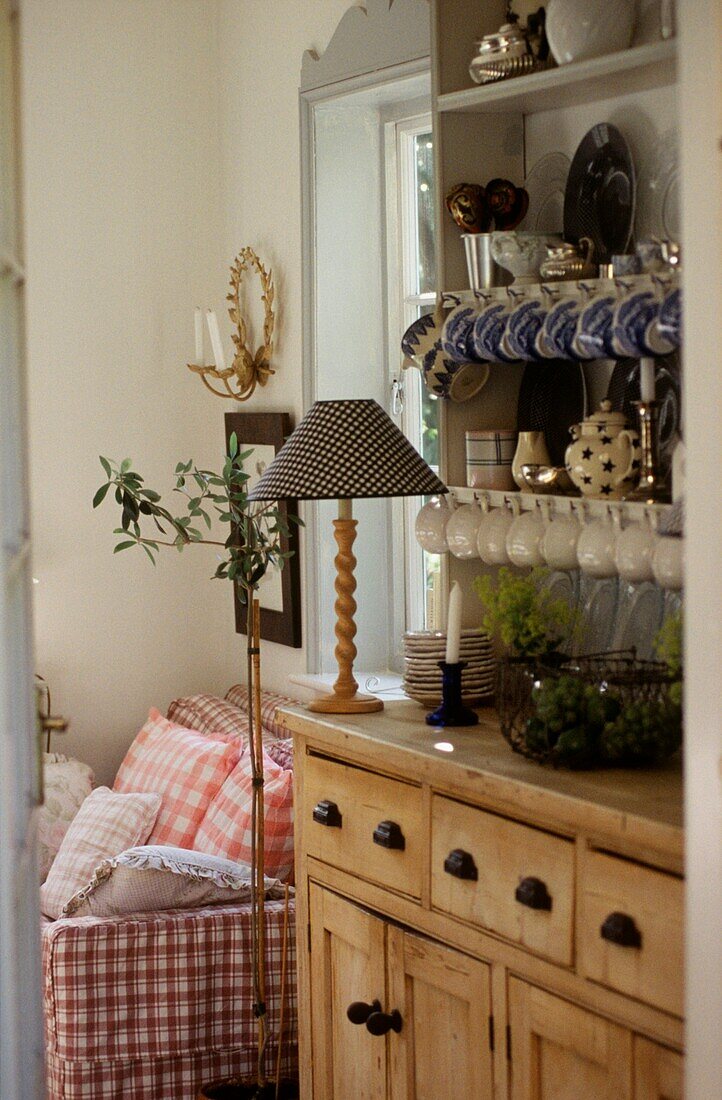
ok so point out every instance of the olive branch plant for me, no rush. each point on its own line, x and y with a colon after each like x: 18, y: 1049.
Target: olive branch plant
x: 253, y: 544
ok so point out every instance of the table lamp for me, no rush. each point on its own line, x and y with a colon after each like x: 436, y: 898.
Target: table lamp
x: 345, y: 450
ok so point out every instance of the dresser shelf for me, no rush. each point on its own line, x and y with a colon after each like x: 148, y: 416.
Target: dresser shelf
x: 627, y: 72
x: 631, y: 510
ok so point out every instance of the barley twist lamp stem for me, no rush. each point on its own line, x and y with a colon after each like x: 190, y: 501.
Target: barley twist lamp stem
x: 345, y: 698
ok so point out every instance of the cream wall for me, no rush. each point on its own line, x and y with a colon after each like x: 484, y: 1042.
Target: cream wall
x: 159, y: 138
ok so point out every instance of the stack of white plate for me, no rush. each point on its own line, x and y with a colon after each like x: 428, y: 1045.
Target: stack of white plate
x: 423, y: 649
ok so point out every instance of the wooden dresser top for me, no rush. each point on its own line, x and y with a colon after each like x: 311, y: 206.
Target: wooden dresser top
x: 631, y: 811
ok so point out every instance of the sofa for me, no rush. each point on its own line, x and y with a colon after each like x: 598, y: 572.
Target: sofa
x: 152, y: 1004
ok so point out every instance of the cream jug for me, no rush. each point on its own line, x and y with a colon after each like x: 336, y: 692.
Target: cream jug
x: 603, y: 459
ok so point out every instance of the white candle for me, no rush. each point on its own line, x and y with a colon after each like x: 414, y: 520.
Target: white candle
x: 216, y: 343
x: 199, y: 337
x: 453, y: 625
x: 646, y: 379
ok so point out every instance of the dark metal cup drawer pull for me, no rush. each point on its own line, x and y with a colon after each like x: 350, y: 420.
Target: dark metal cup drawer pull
x: 533, y: 893
x: 388, y: 834
x: 461, y: 864
x: 380, y: 1023
x: 327, y: 813
x: 359, y: 1011
x: 620, y: 928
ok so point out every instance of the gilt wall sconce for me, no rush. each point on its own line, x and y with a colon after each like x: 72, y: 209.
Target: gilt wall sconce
x: 248, y: 369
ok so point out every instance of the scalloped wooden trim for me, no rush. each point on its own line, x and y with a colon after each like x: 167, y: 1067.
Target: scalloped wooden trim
x: 376, y: 35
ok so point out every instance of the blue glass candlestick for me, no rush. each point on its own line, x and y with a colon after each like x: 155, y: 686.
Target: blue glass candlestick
x: 452, y: 711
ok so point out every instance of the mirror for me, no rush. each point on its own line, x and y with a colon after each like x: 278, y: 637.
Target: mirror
x: 374, y: 74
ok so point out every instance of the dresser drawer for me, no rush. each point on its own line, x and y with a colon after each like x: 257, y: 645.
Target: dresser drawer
x: 510, y: 878
x: 630, y: 930
x: 364, y: 823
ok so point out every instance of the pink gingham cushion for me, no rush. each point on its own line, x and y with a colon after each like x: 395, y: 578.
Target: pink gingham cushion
x: 270, y: 701
x: 211, y: 716
x: 226, y: 829
x: 105, y: 825
x: 185, y: 768
x: 281, y: 752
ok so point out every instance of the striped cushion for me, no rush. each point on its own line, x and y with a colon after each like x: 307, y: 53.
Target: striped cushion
x: 226, y: 829
x: 212, y: 716
x: 270, y: 701
x: 185, y: 768
x: 105, y: 825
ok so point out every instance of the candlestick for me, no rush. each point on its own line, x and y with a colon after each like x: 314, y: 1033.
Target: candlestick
x: 216, y: 342
x: 653, y: 487
x: 199, y: 336
x: 453, y: 625
x: 452, y: 711
x: 647, y: 385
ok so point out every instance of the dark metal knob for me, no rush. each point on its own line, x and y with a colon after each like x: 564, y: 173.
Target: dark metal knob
x: 359, y: 1011
x: 388, y: 834
x: 533, y: 892
x: 327, y: 813
x: 380, y: 1023
x: 461, y: 864
x: 620, y: 928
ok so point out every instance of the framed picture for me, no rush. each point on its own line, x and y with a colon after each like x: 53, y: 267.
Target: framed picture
x: 280, y: 590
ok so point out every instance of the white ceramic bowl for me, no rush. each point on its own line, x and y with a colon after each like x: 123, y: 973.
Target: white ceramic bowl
x: 595, y: 548
x: 578, y: 29
x: 462, y: 530
x: 668, y: 563
x: 430, y: 526
x: 523, y: 540
x: 633, y: 552
x: 559, y: 544
x: 522, y: 252
x: 491, y: 540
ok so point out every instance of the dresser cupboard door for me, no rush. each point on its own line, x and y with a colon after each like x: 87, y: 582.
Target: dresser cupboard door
x: 444, y: 1001
x: 559, y: 1050
x: 348, y: 953
x: 658, y: 1072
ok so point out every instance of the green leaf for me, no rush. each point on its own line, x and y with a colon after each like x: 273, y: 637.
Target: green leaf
x: 151, y: 495
x: 124, y: 546
x: 101, y: 494
x: 106, y: 465
x: 233, y: 445
x: 125, y: 465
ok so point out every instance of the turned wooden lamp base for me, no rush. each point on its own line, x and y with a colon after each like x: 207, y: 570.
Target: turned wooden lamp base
x: 345, y: 698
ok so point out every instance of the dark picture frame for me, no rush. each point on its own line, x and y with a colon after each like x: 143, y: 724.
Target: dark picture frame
x: 284, y: 626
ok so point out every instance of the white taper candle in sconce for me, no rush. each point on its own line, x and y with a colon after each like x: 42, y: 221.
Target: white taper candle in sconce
x: 647, y: 386
x: 199, y: 361
x: 216, y: 342
x: 453, y: 625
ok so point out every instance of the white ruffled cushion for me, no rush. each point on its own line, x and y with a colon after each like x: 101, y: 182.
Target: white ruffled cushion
x: 67, y: 784
x: 153, y: 877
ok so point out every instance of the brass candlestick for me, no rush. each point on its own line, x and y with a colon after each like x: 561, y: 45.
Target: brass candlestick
x: 653, y: 486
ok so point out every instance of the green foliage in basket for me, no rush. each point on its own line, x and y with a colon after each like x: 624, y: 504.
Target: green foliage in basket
x: 522, y: 614
x: 668, y: 647
x: 583, y: 725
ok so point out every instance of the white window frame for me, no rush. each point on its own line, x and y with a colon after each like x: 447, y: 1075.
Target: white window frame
x: 404, y: 304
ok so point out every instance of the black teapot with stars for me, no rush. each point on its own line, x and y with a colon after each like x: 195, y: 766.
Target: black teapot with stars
x: 603, y: 459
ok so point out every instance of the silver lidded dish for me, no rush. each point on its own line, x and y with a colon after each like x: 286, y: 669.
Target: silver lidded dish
x: 506, y: 53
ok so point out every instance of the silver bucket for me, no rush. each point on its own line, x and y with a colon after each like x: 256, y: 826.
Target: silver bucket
x: 484, y: 271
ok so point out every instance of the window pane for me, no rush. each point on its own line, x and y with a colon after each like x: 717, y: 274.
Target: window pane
x: 424, y: 178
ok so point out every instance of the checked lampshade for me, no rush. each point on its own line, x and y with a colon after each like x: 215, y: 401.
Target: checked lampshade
x: 346, y: 450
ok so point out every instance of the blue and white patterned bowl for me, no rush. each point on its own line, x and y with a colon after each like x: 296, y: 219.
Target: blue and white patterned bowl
x: 593, y: 338
x: 522, y: 328
x: 488, y: 333
x: 635, y: 329
x: 555, y: 339
x: 457, y: 332
x: 669, y: 321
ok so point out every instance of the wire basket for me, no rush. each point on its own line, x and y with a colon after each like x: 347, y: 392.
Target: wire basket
x: 600, y: 710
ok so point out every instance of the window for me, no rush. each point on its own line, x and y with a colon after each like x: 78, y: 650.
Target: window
x: 412, y: 292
